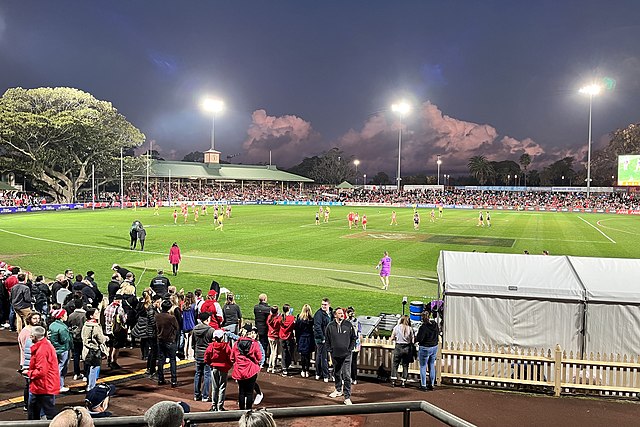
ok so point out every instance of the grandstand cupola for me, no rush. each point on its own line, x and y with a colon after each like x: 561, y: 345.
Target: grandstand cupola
x: 211, y: 157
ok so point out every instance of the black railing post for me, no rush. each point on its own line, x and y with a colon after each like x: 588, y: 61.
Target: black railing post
x: 406, y: 418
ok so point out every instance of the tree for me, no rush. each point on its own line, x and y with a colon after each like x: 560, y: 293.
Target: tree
x: 54, y: 135
x: 480, y: 168
x: 604, y: 163
x: 381, y: 178
x: 525, y: 161
x: 505, y: 171
x: 552, y: 174
x: 194, y: 156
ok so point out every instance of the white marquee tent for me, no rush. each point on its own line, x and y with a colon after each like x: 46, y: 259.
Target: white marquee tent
x: 537, y: 301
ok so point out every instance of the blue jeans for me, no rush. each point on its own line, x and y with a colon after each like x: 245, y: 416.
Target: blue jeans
x: 92, y: 377
x: 202, y: 370
x: 427, y: 355
x: 322, y: 365
x: 63, y: 362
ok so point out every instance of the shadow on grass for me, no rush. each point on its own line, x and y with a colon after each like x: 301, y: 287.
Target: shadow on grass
x: 352, y: 282
x: 113, y: 245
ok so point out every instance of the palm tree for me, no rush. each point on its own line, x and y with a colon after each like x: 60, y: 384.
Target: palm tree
x: 480, y: 168
x: 525, y: 160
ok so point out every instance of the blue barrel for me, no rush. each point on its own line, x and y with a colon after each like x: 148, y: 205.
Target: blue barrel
x: 416, y: 308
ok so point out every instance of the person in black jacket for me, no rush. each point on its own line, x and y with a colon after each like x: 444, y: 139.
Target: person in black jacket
x: 320, y: 321
x: 260, y: 313
x: 113, y: 286
x: 427, y: 338
x: 160, y: 284
x: 340, y: 341
x: 41, y: 295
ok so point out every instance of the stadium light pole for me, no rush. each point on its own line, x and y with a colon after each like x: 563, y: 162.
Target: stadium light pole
x: 515, y: 180
x: 439, y: 162
x: 121, y: 179
x: 402, y: 108
x: 213, y: 106
x: 591, y: 90
x: 356, y: 162
x: 364, y: 177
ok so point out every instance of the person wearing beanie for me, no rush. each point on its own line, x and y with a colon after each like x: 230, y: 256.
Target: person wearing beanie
x: 167, y: 330
x: 212, y: 306
x: 61, y: 340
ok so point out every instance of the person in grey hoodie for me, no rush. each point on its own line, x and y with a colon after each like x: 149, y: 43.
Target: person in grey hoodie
x: 202, y: 337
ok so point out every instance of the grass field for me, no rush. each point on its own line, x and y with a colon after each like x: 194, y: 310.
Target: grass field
x: 280, y: 251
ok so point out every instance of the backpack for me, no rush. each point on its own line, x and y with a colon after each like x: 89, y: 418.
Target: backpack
x: 244, y: 346
x: 76, y: 333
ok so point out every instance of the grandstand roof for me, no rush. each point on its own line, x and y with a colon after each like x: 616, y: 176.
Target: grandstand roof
x: 220, y: 172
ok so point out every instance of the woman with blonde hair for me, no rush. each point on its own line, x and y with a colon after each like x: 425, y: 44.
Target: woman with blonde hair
x: 258, y: 418
x: 188, y: 323
x: 306, y: 343
x: 402, y: 353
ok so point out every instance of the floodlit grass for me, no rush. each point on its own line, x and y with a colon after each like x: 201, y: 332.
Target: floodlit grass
x: 280, y: 251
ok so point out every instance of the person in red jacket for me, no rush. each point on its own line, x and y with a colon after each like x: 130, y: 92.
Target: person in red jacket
x: 175, y: 257
x: 287, y: 340
x: 245, y: 357
x: 212, y: 306
x: 218, y: 356
x: 43, y: 375
x: 274, y: 320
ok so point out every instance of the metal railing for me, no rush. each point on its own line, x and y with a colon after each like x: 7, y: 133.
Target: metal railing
x: 405, y: 408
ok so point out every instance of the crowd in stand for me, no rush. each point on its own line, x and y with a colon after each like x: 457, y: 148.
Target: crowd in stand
x: 191, y: 191
x: 70, y: 319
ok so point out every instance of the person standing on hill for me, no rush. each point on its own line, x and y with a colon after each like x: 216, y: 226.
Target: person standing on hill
x: 260, y: 313
x: 385, y: 270
x: 175, y: 257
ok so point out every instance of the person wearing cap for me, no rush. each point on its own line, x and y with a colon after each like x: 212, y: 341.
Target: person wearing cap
x: 61, y: 340
x: 218, y: 357
x: 245, y: 357
x: 212, y: 306
x: 97, y: 400
x: 93, y: 346
x: 160, y: 284
x: 202, y: 338
x: 114, y: 286
x: 167, y: 329
x: 44, y: 378
x: 166, y: 414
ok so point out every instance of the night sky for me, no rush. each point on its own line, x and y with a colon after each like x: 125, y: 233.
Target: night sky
x: 497, y: 78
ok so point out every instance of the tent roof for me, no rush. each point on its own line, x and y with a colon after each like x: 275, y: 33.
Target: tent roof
x: 509, y: 275
x: 609, y: 279
x: 194, y: 170
x: 6, y: 187
x: 344, y: 185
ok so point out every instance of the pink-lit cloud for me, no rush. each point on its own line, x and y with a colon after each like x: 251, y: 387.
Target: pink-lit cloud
x: 426, y: 134
x: 289, y: 138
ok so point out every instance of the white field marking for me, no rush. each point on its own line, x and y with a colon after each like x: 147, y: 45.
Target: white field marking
x: 599, y: 231
x: 333, y: 270
x: 616, y: 229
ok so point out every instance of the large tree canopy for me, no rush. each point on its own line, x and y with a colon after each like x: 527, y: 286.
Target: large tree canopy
x: 54, y: 135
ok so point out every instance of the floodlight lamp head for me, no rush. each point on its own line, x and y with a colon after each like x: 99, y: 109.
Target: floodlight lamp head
x: 401, y: 108
x: 213, y: 105
x: 591, y: 90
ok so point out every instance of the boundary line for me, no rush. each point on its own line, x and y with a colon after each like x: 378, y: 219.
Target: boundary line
x: 597, y: 229
x: 334, y: 270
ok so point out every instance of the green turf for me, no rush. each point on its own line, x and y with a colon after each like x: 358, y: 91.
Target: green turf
x: 280, y: 251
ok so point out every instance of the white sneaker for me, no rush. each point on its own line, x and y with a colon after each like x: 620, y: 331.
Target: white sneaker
x: 335, y: 393
x: 75, y: 377
x: 354, y: 382
x: 348, y: 402
x: 258, y: 399
x: 64, y: 389
x: 317, y: 377
x: 302, y: 374
x: 326, y: 380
